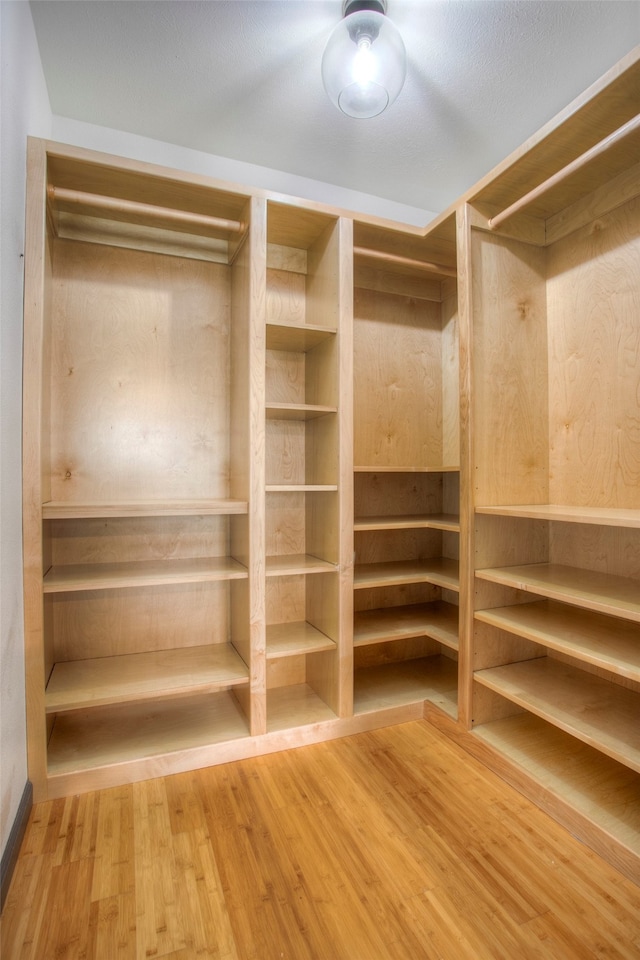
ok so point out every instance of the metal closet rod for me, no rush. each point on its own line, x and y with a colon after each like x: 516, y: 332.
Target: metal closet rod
x: 405, y: 261
x: 148, y: 210
x: 599, y: 148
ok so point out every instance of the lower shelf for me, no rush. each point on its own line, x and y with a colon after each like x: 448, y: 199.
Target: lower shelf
x: 408, y: 681
x: 88, y: 739
x: 597, y: 711
x: 602, y: 790
x: 295, y: 706
x: 75, y: 684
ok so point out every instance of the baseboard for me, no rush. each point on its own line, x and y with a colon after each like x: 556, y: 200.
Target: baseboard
x: 12, y: 849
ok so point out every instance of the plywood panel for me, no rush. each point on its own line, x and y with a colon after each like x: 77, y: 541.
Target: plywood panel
x: 140, y: 347
x: 594, y: 357
x: 450, y: 383
x: 397, y: 382
x: 102, y: 623
x: 509, y: 371
x: 114, y: 540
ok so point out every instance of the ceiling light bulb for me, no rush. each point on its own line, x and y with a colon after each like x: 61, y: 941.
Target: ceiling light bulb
x: 364, y: 62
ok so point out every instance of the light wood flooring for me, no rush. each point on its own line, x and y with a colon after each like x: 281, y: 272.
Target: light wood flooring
x: 388, y: 844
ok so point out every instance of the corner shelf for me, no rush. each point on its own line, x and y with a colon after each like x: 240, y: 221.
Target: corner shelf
x: 407, y: 682
x: 440, y: 571
x: 444, y: 521
x: 438, y: 620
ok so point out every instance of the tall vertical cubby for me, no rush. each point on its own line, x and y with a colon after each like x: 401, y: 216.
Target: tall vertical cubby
x: 406, y: 469
x: 551, y: 250
x: 308, y: 466
x: 143, y: 597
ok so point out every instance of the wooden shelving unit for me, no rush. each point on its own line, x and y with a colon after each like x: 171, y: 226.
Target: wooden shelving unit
x: 549, y: 248
x: 291, y: 473
x: 306, y: 409
x: 406, y: 493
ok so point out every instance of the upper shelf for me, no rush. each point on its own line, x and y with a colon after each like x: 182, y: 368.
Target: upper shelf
x: 603, y: 516
x: 140, y: 573
x: 593, y: 141
x: 111, y: 204
x: 68, y: 510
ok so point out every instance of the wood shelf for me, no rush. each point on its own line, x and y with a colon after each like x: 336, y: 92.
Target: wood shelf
x: 294, y: 706
x: 67, y: 510
x: 411, y: 468
x: 297, y: 338
x: 140, y: 573
x: 437, y: 620
x: 444, y: 521
x: 291, y: 639
x: 291, y: 564
x: 605, y: 593
x: 103, y: 736
x: 596, y: 711
x: 613, y: 645
x: 440, y: 571
x: 408, y: 681
x: 77, y: 684
x: 600, y: 789
x: 301, y: 488
x: 603, y: 516
x: 297, y: 411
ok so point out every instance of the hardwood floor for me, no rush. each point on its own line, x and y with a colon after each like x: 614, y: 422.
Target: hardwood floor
x: 388, y: 844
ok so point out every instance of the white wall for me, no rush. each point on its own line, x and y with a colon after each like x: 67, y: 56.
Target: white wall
x: 243, y: 174
x: 24, y: 110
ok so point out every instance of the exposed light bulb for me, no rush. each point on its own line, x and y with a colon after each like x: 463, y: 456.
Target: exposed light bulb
x: 364, y: 62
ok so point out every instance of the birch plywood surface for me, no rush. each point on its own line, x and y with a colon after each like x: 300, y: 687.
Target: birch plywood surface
x: 597, y: 711
x: 397, y: 382
x: 594, y: 356
x: 140, y: 348
x: 510, y: 418
x: 103, y: 623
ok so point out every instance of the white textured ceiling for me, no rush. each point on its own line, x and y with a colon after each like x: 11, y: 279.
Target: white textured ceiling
x: 241, y: 79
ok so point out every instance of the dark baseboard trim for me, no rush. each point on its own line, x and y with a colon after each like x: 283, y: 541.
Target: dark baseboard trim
x: 12, y: 849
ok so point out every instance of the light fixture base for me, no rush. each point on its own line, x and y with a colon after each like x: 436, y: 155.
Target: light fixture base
x: 355, y: 6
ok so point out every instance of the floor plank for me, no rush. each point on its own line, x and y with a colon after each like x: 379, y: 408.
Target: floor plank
x: 389, y: 844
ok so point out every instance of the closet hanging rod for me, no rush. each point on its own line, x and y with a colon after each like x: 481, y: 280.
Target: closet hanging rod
x: 393, y: 258
x: 599, y: 148
x: 149, y: 211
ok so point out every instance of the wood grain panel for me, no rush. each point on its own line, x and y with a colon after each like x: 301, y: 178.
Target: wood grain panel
x: 509, y: 372
x: 104, y: 623
x: 397, y: 382
x: 140, y: 345
x: 594, y: 355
